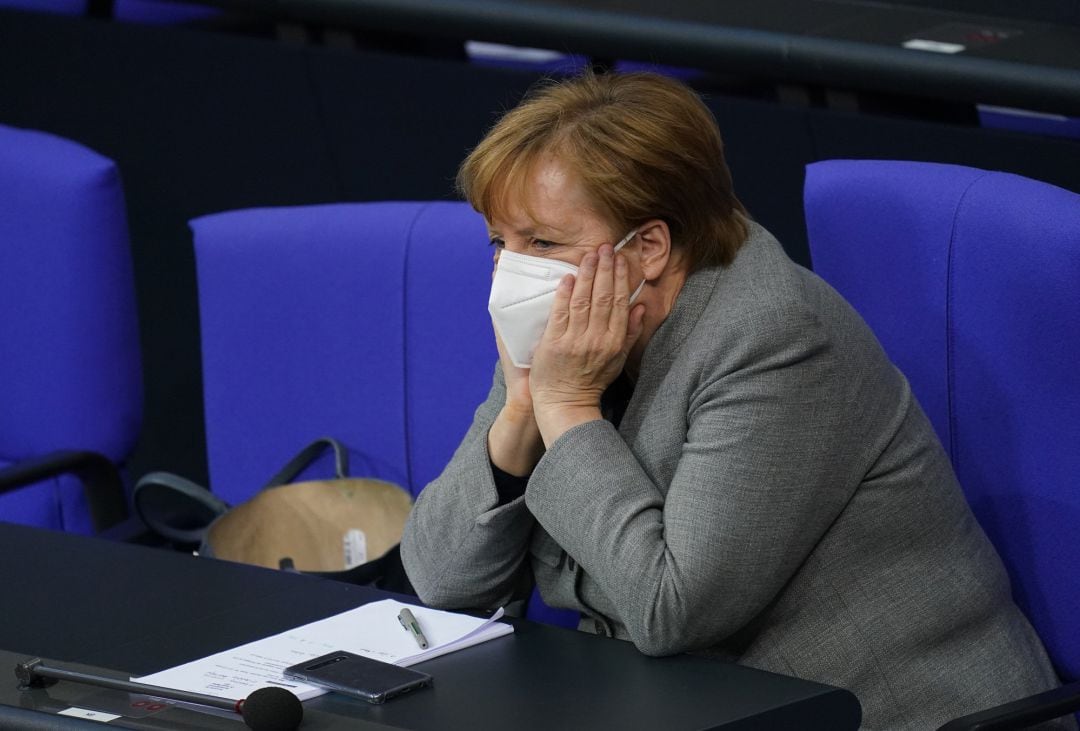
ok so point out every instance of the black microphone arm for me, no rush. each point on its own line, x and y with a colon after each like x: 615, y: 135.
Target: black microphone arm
x: 36, y: 674
x: 282, y: 705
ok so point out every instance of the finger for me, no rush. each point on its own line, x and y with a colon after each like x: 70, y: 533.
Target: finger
x: 620, y: 300
x: 559, y: 319
x: 581, y: 297
x: 603, y: 294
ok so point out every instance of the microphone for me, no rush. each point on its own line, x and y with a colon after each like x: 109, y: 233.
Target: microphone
x: 266, y: 709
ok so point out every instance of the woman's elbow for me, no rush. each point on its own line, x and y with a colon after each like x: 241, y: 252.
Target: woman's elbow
x: 692, y: 623
x: 446, y: 586
x: 424, y: 575
x: 440, y: 594
x: 661, y: 633
x: 660, y: 644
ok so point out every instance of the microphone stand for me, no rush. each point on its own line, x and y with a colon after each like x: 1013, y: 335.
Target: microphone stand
x: 283, y: 709
x: 36, y: 674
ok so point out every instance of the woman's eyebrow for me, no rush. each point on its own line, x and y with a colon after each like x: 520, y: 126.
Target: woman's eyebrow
x: 540, y: 230
x: 525, y: 232
x: 545, y: 231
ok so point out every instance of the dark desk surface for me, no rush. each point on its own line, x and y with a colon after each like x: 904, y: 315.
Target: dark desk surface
x: 138, y: 610
x: 837, y: 43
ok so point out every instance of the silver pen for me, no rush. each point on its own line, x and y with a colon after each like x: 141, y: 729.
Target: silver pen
x: 408, y: 621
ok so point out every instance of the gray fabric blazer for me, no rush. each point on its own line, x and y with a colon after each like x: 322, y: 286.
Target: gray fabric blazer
x: 773, y: 495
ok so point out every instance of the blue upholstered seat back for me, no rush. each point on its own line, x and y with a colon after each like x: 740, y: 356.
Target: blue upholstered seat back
x: 971, y: 281
x: 69, y: 346
x: 362, y: 321
x: 66, y: 7
x: 161, y: 12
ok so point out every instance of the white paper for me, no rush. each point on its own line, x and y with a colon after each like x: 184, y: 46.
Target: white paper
x: 87, y: 713
x: 371, y: 630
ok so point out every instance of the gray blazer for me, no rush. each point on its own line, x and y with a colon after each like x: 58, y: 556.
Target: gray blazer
x: 773, y: 495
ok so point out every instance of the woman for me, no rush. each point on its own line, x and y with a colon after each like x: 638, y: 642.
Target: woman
x: 696, y: 443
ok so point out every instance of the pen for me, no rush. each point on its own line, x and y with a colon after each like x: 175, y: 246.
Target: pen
x: 408, y: 621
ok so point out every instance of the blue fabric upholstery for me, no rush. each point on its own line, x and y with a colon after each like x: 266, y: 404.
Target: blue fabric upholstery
x: 362, y: 321
x: 161, y: 12
x: 65, y: 7
x: 70, y: 372
x: 365, y: 321
x: 971, y: 281
x: 149, y: 12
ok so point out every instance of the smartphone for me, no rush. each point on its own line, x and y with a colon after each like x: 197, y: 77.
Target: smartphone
x: 361, y: 677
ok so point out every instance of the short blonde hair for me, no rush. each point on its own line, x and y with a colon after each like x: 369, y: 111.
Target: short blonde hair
x: 642, y: 145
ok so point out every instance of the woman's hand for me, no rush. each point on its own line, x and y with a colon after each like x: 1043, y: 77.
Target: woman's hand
x: 584, y: 348
x: 514, y: 443
x: 518, y: 396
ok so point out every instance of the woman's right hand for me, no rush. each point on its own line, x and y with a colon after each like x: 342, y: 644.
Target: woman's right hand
x: 514, y: 443
x: 518, y: 396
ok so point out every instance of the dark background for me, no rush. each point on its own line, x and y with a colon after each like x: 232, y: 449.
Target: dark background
x: 1050, y: 11
x: 240, y: 113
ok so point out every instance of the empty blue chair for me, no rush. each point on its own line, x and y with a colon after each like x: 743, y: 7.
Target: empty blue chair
x: 70, y: 378
x: 63, y: 7
x: 971, y: 281
x: 362, y: 321
x: 161, y: 12
x: 334, y: 320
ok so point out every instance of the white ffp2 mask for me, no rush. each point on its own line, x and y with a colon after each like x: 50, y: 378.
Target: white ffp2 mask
x: 522, y: 293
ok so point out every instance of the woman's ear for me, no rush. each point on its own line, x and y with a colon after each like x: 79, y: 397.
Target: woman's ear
x: 655, y: 238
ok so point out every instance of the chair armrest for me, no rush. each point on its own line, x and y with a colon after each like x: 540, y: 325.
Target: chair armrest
x: 99, y: 477
x: 1022, y: 713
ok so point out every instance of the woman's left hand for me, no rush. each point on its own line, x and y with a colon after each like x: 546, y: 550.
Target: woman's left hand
x: 589, y: 333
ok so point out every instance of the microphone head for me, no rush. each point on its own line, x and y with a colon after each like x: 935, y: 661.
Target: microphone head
x: 272, y: 709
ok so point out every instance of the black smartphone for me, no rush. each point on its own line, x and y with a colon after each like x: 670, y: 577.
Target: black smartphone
x: 361, y: 677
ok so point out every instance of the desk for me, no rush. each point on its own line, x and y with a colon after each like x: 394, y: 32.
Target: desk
x: 138, y: 610
x: 836, y: 43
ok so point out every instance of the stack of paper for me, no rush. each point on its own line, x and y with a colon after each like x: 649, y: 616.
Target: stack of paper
x: 372, y: 630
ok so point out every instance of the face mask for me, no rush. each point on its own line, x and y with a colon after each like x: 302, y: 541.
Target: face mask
x: 522, y: 294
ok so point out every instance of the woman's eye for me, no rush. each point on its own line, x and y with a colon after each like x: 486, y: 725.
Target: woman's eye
x: 497, y: 242
x: 542, y: 245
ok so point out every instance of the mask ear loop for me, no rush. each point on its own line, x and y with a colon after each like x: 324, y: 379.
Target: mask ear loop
x: 627, y: 239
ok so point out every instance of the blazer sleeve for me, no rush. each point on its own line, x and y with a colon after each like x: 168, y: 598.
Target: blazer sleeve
x: 460, y: 548
x: 766, y: 467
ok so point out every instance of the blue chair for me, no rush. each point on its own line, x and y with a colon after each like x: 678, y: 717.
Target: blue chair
x: 70, y: 378
x: 326, y: 320
x: 161, y: 12
x: 971, y: 281
x: 63, y: 7
x: 363, y: 321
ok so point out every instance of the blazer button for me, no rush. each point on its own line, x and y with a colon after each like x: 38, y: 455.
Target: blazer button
x: 600, y: 628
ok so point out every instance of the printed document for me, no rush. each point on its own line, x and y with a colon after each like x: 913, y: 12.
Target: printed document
x: 372, y: 630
